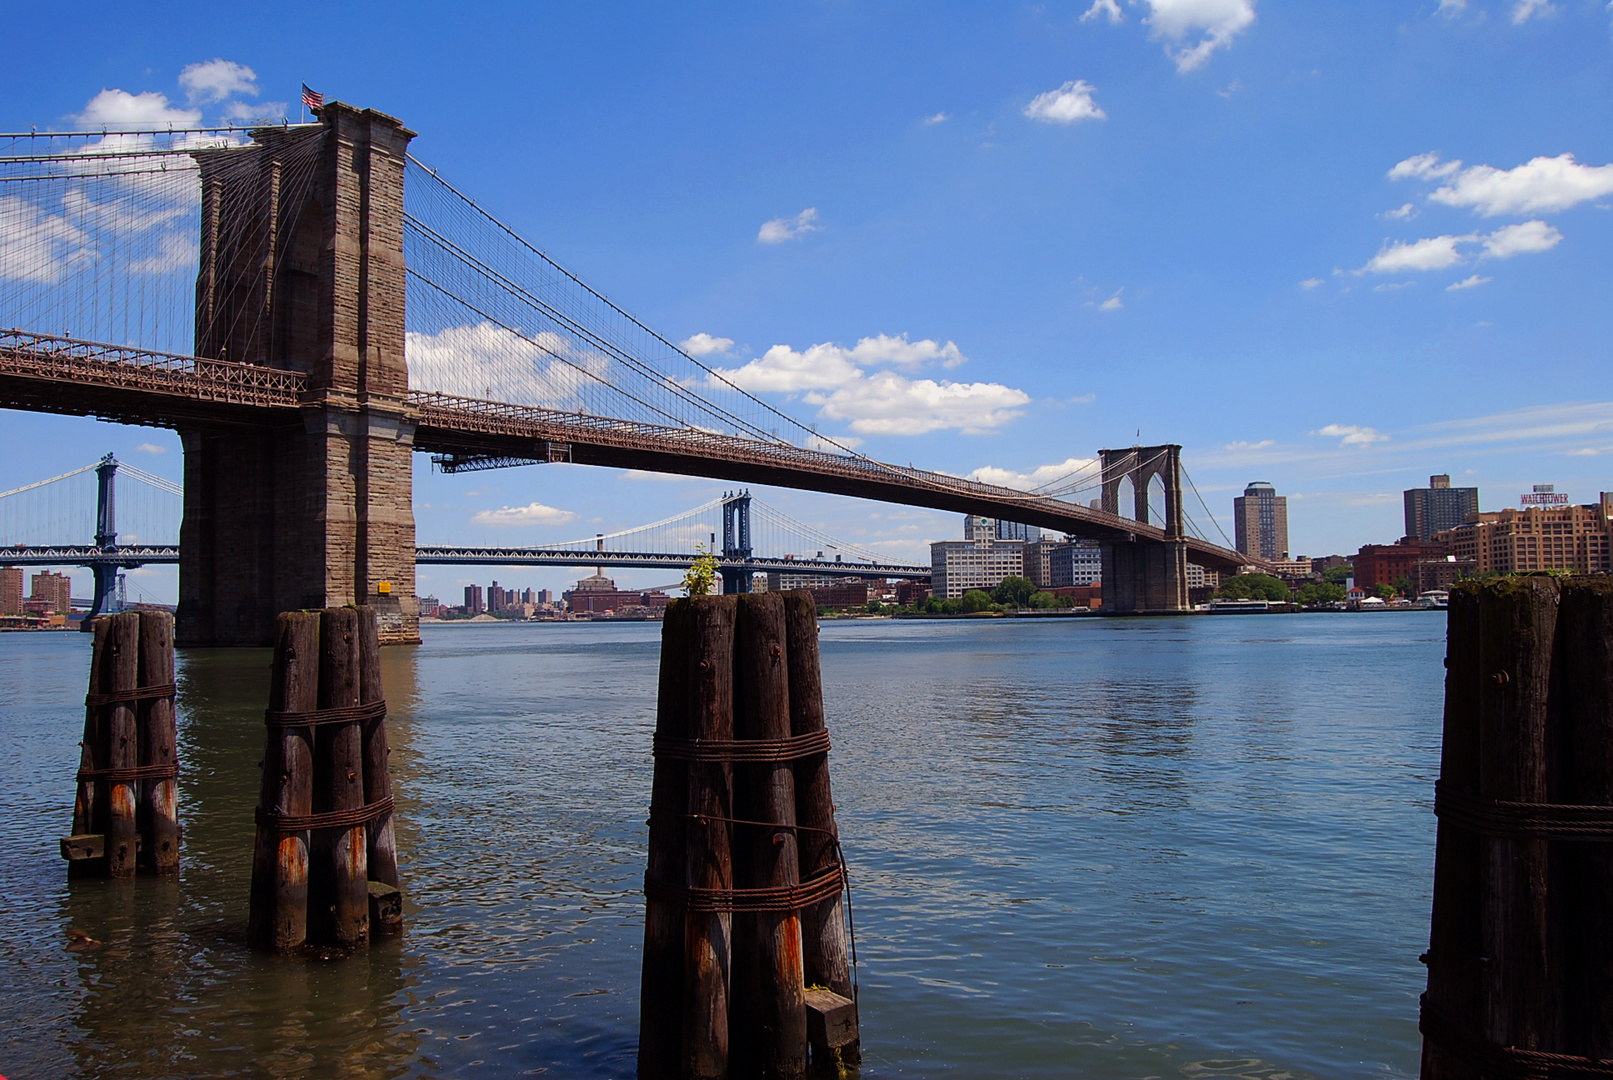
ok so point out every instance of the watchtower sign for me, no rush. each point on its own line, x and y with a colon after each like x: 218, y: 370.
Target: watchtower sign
x: 1543, y: 495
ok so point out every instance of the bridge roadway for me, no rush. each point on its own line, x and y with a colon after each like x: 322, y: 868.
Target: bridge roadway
x: 47, y: 373
x: 131, y: 555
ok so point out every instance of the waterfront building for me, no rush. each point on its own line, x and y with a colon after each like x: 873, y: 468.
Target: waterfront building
x: 1385, y: 564
x: 1576, y: 538
x: 1260, y: 518
x: 956, y: 566
x: 473, y: 600
x: 545, y: 596
x: 846, y: 594
x: 1438, y: 507
x: 1295, y: 569
x: 10, y: 590
x: 1078, y: 563
x: 50, y: 591
x: 782, y: 581
x: 912, y: 593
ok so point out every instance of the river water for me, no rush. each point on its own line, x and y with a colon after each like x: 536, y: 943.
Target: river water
x: 1194, y: 847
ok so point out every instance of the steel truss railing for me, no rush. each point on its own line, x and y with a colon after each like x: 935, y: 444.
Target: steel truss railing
x: 126, y: 555
x: 95, y: 363
x: 537, y: 556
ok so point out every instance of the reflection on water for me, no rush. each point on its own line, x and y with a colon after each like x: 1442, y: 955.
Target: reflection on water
x: 1189, y: 847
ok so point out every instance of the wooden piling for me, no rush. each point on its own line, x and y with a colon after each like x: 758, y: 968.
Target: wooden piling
x: 1517, y: 635
x: 769, y: 1005
x: 1520, y: 964
x: 1582, y: 874
x: 661, y: 989
x: 159, y: 814
x: 1455, y: 936
x: 278, y: 919
x: 382, y: 854
x: 121, y: 676
x: 709, y: 860
x: 338, y: 880
x: 89, y: 804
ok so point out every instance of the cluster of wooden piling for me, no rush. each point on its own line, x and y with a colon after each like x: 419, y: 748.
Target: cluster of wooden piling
x: 325, y: 866
x: 125, y: 815
x: 744, y: 885
x: 1520, y: 961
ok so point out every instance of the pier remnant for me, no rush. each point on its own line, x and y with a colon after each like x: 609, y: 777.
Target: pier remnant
x: 1520, y: 959
x: 125, y: 815
x: 744, y: 868
x: 325, y: 805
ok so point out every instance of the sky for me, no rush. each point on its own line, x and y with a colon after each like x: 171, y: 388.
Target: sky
x: 1336, y: 247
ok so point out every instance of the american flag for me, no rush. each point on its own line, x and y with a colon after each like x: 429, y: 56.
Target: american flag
x: 312, y: 99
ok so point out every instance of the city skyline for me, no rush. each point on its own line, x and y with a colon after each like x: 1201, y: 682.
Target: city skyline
x: 1064, y: 244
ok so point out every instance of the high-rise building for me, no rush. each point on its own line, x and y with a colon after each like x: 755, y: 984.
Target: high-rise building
x: 1079, y: 562
x: 1010, y: 530
x: 956, y: 566
x: 1576, y: 538
x: 1438, y: 507
x: 978, y: 527
x: 56, y: 590
x: 497, y: 598
x: 1260, y: 517
x: 473, y: 600
x: 10, y: 590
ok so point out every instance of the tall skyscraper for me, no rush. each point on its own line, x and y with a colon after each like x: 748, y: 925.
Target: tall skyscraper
x: 473, y: 600
x: 1438, y: 507
x: 1260, y: 517
x: 10, y: 590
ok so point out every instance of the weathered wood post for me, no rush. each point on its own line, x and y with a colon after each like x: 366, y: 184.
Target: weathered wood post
x: 158, y: 819
x: 1520, y: 964
x: 825, y: 951
x: 338, y: 873
x: 709, y: 858
x: 278, y: 920
x: 661, y: 990
x: 124, y: 815
x: 769, y: 1009
x: 725, y: 983
x: 326, y: 783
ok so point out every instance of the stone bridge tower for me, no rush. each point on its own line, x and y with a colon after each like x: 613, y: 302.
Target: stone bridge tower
x: 1144, y: 576
x: 301, y: 268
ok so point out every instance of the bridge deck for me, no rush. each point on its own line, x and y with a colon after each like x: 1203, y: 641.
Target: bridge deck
x: 57, y: 374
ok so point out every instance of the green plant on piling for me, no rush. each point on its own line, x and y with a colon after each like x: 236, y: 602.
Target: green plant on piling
x: 702, y: 575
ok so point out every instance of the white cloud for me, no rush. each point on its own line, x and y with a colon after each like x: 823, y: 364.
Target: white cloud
x: 1108, y: 9
x: 1590, y: 451
x: 835, y: 379
x: 1468, y: 283
x: 1041, y: 476
x: 1311, y: 283
x: 1430, y: 253
x: 530, y: 514
x: 121, y: 109
x: 1406, y: 212
x: 151, y: 448
x: 245, y: 112
x: 217, y: 79
x: 38, y: 247
x: 1113, y: 303
x: 1352, y: 434
x: 704, y: 344
x: 938, y: 118
x: 780, y: 229
x: 1524, y: 10
x: 1541, y: 184
x: 1451, y: 8
x: 1197, y: 27
x: 1243, y: 444
x: 1069, y: 104
x: 1526, y: 238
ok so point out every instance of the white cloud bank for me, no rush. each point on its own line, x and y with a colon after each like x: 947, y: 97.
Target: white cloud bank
x: 531, y: 514
x: 780, y: 229
x: 1106, y: 9
x: 1194, y: 29
x: 1540, y: 185
x: 1041, y: 476
x: 1524, y: 10
x: 837, y: 380
x: 1352, y: 434
x: 704, y: 344
x: 1069, y: 104
x: 1441, y: 252
x: 218, y: 79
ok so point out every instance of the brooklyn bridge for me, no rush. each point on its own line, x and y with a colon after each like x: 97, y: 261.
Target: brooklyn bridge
x: 308, y: 305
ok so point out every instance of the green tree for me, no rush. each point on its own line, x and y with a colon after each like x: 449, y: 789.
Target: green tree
x: 1383, y: 590
x: 974, y: 600
x: 1044, y: 601
x: 1320, y: 592
x: 1013, y: 591
x: 1403, y: 585
x: 1338, y: 575
x: 1253, y: 587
